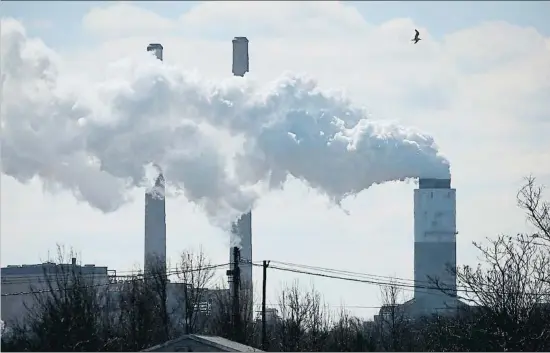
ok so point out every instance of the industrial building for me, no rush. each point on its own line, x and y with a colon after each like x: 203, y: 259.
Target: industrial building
x: 21, y: 282
x: 434, y: 227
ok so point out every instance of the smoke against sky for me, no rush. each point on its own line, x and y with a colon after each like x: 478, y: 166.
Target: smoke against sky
x: 223, y: 144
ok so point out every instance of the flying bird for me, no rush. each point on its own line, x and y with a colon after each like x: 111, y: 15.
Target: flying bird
x: 416, y: 37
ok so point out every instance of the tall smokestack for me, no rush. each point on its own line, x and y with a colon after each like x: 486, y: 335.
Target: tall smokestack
x: 242, y: 228
x: 156, y: 48
x: 240, y: 56
x: 155, y: 228
x: 434, y: 244
x: 155, y: 213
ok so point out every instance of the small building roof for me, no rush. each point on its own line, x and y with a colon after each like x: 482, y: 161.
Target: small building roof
x: 220, y: 344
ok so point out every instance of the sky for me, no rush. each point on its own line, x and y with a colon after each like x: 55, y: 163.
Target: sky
x: 478, y: 83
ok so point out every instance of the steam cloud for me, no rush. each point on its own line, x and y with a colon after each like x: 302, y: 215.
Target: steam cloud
x: 222, y: 144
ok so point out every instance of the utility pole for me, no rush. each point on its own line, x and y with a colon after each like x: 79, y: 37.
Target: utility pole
x: 236, y: 279
x: 264, y: 285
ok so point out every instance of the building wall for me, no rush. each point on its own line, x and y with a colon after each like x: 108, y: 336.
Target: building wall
x: 20, y: 281
x: 155, y: 225
x: 434, y: 241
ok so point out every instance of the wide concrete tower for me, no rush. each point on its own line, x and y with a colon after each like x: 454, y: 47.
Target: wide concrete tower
x: 155, y: 212
x: 434, y: 244
x: 242, y: 228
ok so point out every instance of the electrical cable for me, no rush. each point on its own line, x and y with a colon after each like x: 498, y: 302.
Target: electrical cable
x: 381, y: 283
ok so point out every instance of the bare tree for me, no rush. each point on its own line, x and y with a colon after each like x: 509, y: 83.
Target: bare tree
x: 530, y: 199
x: 138, y: 321
x: 196, y: 272
x: 307, y: 325
x: 319, y: 321
x: 303, y: 320
x: 509, y: 291
x: 221, y: 320
x: 138, y: 308
x: 157, y: 282
x: 393, y: 323
x: 348, y: 334
x: 64, y: 313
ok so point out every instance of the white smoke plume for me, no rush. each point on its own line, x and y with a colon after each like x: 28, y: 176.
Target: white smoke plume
x: 222, y: 144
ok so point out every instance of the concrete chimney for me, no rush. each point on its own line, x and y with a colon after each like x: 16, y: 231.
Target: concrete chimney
x: 242, y: 228
x: 155, y: 228
x: 240, y: 56
x: 155, y: 213
x: 434, y: 244
x: 156, y: 48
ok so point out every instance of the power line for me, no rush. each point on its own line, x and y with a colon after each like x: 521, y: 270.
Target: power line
x: 345, y: 272
x: 399, y: 285
x: 423, y: 287
x: 332, y: 273
x: 403, y: 286
x: 343, y: 306
x: 393, y: 281
x: 379, y: 283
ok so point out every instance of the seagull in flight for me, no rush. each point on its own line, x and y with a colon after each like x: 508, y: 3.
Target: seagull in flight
x: 416, y: 37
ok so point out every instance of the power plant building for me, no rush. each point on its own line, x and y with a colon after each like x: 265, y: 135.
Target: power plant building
x: 19, y: 281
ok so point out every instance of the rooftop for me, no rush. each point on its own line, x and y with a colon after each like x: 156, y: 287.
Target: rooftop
x: 39, y: 269
x: 219, y: 344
